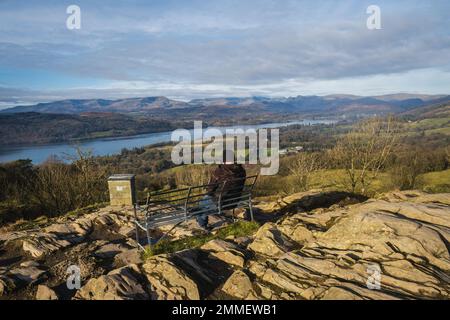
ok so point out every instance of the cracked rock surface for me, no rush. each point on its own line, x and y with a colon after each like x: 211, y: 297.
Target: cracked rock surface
x: 317, y: 246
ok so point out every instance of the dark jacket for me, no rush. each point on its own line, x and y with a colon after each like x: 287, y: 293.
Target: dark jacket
x: 235, y: 175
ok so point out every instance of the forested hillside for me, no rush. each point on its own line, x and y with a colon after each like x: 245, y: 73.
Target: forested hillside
x: 32, y: 127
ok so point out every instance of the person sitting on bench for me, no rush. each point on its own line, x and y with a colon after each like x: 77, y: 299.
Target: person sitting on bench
x: 231, y: 172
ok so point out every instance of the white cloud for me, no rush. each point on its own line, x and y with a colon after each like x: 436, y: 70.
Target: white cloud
x: 234, y: 48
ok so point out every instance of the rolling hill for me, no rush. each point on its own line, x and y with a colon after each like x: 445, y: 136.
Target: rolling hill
x: 76, y: 106
x: 439, y: 110
x: 32, y: 127
x: 331, y: 105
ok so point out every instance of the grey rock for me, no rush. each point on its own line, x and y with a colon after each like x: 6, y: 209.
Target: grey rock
x: 132, y: 256
x: 45, y: 293
x: 168, y: 282
x: 28, y: 274
x: 226, y: 251
x: 120, y: 284
x: 110, y: 250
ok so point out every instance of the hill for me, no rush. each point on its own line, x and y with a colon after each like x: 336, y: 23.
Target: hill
x: 439, y: 110
x: 331, y: 105
x: 32, y: 127
x: 76, y: 106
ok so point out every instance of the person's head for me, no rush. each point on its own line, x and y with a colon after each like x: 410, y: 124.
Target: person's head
x: 228, y: 157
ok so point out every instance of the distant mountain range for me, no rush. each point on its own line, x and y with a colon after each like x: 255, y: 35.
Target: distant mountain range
x: 72, y: 120
x: 76, y: 106
x: 330, y: 105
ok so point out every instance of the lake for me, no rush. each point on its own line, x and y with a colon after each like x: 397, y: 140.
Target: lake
x: 114, y: 145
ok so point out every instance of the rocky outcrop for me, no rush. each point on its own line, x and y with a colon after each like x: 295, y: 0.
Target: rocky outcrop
x: 239, y: 285
x: 132, y: 256
x: 405, y: 243
x: 308, y: 201
x: 387, y: 248
x: 168, y: 281
x: 45, y: 293
x: 225, y: 251
x: 271, y: 242
x: 105, y: 224
x: 120, y: 284
x: 28, y: 272
x: 90, y: 241
x: 392, y: 247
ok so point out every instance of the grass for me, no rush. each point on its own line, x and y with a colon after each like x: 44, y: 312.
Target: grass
x: 238, y: 229
x: 444, y: 131
x: 430, y: 123
x: 430, y: 126
x: 436, y: 182
x: 327, y: 180
x: 331, y: 180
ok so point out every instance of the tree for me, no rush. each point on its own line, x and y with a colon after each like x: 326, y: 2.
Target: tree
x: 193, y: 175
x: 405, y: 173
x: 62, y: 187
x: 363, y: 151
x: 16, y: 181
x: 90, y: 180
x: 301, y: 166
x: 54, y: 190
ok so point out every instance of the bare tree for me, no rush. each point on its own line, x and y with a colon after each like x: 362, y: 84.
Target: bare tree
x: 54, y: 187
x: 363, y: 152
x: 405, y: 174
x: 61, y: 187
x: 90, y: 179
x: 193, y: 175
x: 301, y: 166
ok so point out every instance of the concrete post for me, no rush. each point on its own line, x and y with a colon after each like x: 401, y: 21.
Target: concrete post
x: 122, y: 190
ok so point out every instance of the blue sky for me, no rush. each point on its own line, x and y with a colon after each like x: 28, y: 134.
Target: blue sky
x: 188, y: 49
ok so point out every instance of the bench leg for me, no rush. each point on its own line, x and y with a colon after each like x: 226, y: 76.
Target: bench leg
x: 149, y: 238
x: 137, y: 226
x: 137, y: 234
x: 250, y: 207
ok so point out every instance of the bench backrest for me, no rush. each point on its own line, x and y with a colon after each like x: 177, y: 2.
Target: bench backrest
x: 191, y: 200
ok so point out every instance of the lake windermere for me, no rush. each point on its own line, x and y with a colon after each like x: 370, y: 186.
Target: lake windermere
x: 114, y: 145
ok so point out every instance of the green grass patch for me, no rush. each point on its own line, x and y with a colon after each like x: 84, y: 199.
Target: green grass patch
x: 326, y: 180
x: 444, y: 131
x: 429, y: 127
x: 436, y: 182
x: 238, y: 229
x: 430, y: 123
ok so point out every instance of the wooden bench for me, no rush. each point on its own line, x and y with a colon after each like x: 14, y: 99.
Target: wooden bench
x: 173, y: 207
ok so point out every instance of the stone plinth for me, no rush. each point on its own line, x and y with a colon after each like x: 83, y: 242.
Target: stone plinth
x: 122, y: 189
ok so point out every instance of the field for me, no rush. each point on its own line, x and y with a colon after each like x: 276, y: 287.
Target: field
x: 327, y: 180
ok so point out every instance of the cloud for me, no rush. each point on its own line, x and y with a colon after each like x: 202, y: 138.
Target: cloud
x: 231, y: 47
x: 434, y: 81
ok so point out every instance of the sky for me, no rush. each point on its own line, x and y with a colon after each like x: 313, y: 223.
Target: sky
x: 186, y: 49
